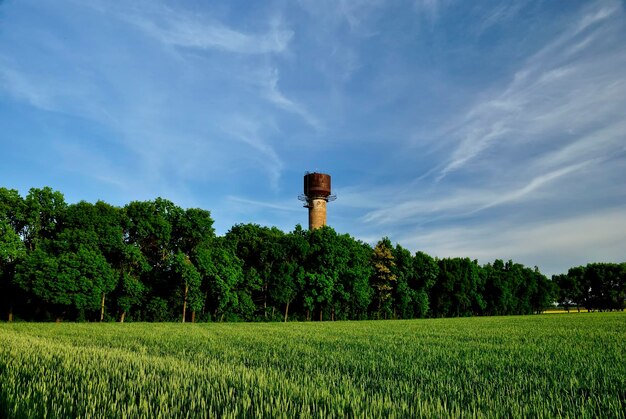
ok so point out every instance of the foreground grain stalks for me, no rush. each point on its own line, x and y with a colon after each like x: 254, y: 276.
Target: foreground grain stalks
x: 508, y: 366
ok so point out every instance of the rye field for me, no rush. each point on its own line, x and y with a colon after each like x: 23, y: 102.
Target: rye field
x: 533, y: 366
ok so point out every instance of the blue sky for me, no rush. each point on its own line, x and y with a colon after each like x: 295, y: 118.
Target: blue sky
x: 488, y: 129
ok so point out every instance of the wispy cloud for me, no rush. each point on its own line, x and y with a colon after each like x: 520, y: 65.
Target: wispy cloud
x: 290, y: 206
x: 274, y: 95
x: 337, y: 32
x: 586, y: 238
x: 13, y: 82
x: 454, y: 204
x: 431, y: 9
x: 248, y: 130
x: 53, y: 92
x: 183, y: 29
x: 358, y: 14
x: 551, y: 93
x: 196, y: 30
x: 498, y: 15
x: 534, y: 185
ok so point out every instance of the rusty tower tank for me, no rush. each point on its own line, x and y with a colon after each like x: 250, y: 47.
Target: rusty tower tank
x: 317, y: 193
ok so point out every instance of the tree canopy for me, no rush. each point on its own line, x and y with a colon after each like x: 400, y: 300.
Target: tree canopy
x: 154, y: 261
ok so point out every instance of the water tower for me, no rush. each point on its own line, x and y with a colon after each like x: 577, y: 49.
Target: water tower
x: 316, y: 195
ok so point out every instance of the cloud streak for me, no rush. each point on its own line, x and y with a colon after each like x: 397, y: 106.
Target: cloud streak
x: 275, y: 96
x: 464, y: 202
x: 180, y: 30
x: 547, y: 244
x: 551, y: 93
x: 13, y: 82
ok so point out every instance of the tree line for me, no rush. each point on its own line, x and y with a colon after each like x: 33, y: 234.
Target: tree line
x: 155, y: 261
x: 596, y: 287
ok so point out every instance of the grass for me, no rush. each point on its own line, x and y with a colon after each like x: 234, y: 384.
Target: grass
x: 539, y: 366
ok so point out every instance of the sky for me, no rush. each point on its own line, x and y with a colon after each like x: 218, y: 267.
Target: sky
x: 481, y: 129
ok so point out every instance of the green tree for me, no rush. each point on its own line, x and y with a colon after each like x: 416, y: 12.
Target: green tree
x: 261, y: 251
x: 346, y: 266
x: 604, y: 283
x: 12, y: 208
x: 12, y: 249
x: 132, y: 290
x: 97, y: 227
x: 190, y: 282
x: 70, y: 282
x: 564, y: 297
x: 425, y: 273
x: 383, y: 277
x: 44, y: 208
x: 289, y: 275
x: 191, y: 229
x: 580, y: 290
x: 356, y: 279
x: 457, y: 291
x: 225, y: 293
x: 546, y: 291
x: 499, y: 293
x: 40, y: 221
x: 150, y: 227
x: 404, y: 296
x: 326, y: 260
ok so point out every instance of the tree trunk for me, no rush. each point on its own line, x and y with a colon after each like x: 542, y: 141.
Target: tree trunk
x: 102, y: 309
x: 286, y: 311
x: 10, y: 319
x: 193, y: 316
x: 273, y: 311
x: 321, y: 315
x: 122, y: 317
x: 185, y: 303
x: 332, y: 314
x: 308, y: 315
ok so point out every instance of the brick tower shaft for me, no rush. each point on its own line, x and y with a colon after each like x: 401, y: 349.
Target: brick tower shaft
x: 317, y: 213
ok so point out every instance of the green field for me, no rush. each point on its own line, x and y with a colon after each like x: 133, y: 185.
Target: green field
x: 565, y: 365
